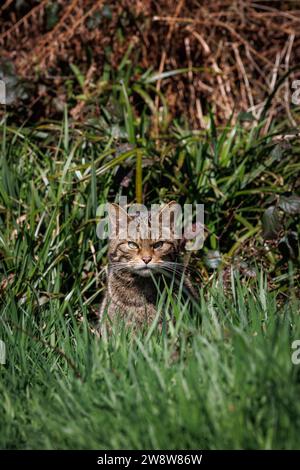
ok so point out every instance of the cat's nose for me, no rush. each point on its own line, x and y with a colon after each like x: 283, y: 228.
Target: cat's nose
x: 147, y: 259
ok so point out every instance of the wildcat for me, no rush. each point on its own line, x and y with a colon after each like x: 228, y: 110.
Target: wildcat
x: 137, y: 267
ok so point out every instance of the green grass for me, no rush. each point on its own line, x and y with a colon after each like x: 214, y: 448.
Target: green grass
x: 221, y: 376
x: 225, y: 382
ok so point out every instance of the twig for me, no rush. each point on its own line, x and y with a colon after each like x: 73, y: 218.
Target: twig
x: 287, y: 94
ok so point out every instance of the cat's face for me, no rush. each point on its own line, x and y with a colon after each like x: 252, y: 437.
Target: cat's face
x: 143, y: 256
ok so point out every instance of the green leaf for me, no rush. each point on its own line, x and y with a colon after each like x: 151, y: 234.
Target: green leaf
x: 277, y: 152
x: 246, y: 116
x: 79, y: 76
x: 172, y: 73
x: 289, y: 246
x: 128, y: 114
x: 290, y: 205
x: 271, y: 223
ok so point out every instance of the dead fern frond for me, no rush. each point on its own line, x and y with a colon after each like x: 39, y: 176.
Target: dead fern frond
x: 25, y: 24
x: 6, y: 5
x: 45, y: 51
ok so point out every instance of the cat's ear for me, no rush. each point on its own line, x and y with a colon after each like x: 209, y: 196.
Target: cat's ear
x: 115, y: 209
x: 169, y: 217
x: 169, y: 208
x: 118, y: 220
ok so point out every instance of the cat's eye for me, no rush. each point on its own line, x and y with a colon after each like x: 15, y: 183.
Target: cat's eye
x: 158, y: 245
x: 133, y: 246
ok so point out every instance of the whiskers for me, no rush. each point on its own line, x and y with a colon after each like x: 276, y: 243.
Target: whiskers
x: 120, y: 266
x: 131, y: 266
x: 171, y: 269
x: 176, y: 267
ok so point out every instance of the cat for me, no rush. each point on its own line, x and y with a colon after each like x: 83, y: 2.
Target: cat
x: 138, y: 267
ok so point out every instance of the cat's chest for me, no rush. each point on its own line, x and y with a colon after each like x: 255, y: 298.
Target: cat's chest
x: 137, y: 313
x: 132, y: 300
x: 132, y: 294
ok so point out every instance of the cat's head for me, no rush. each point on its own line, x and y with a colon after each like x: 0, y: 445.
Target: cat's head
x: 145, y: 249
